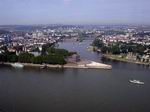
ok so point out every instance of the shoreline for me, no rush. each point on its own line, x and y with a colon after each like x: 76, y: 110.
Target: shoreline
x: 84, y: 64
x: 113, y: 57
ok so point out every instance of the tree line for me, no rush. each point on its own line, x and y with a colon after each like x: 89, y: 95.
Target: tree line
x: 49, y: 56
x: 120, y: 47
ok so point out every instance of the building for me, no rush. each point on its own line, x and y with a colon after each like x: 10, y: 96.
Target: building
x: 73, y: 59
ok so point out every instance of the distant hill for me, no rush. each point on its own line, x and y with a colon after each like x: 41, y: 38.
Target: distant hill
x: 4, y: 32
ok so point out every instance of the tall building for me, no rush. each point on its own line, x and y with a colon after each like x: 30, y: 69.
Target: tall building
x: 7, y: 38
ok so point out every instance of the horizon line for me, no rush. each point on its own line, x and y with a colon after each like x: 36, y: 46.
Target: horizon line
x: 128, y: 24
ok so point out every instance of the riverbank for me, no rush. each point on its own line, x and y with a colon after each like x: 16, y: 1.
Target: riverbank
x: 84, y: 64
x: 116, y: 57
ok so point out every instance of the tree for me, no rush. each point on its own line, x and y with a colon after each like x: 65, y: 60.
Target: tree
x: 4, y: 48
x: 3, y: 58
x: 104, y: 49
x: 45, y: 47
x: 139, y: 49
x: 12, y: 58
x: 54, y: 59
x: 25, y: 57
x: 98, y: 43
x: 61, y: 52
x: 37, y: 60
x: 115, y: 50
x: 123, y: 49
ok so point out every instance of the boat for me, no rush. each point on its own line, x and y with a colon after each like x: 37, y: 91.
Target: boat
x: 17, y: 65
x: 136, y: 82
x: 43, y: 67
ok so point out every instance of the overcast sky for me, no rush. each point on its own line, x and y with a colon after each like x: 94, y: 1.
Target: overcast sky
x: 74, y: 12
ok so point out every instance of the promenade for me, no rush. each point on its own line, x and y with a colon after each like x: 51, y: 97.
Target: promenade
x: 84, y: 64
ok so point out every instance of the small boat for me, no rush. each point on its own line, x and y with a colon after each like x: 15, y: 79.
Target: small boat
x: 43, y: 67
x: 17, y: 65
x: 136, y: 82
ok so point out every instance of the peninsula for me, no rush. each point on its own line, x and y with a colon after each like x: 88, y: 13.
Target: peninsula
x: 51, y: 57
x: 80, y: 65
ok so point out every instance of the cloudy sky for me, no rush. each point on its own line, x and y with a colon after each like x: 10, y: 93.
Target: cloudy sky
x: 74, y: 12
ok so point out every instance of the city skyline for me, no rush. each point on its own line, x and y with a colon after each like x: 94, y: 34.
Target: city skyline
x: 27, y: 12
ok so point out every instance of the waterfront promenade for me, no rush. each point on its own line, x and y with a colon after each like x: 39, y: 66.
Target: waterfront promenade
x: 117, y: 58
x: 83, y: 64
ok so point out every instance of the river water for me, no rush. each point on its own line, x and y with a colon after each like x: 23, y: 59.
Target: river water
x: 75, y: 90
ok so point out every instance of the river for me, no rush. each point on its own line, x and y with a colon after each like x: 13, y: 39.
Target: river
x: 75, y: 90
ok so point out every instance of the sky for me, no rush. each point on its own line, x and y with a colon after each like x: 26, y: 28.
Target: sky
x: 28, y: 12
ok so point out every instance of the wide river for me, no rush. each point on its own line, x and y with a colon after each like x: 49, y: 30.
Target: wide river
x: 76, y: 90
